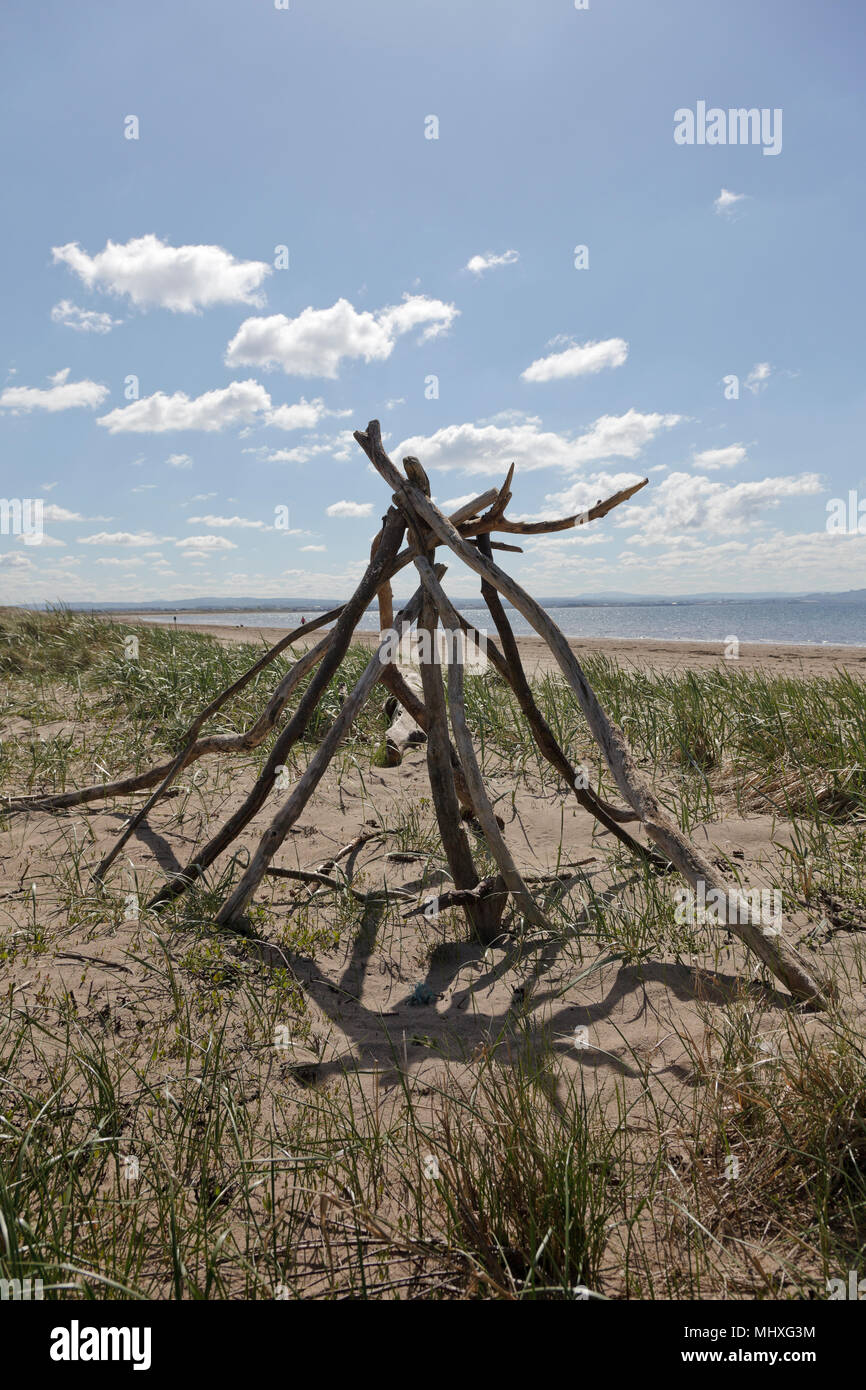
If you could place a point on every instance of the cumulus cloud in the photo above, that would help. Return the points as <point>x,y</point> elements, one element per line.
<point>52,512</point>
<point>713,459</point>
<point>201,546</point>
<point>350,509</point>
<point>318,340</point>
<point>489,449</point>
<point>184,279</point>
<point>236,404</point>
<point>303,415</point>
<point>241,522</point>
<point>126,538</point>
<point>581,359</point>
<point>62,394</point>
<point>490,261</point>
<point>82,320</point>
<point>179,461</point>
<point>687,503</point>
<point>314,547</point>
<point>727,201</point>
<point>584,492</point>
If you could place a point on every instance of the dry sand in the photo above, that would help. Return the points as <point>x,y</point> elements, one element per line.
<point>770,657</point>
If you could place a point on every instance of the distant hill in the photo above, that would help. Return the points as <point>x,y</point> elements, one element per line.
<point>244,604</point>
<point>849,596</point>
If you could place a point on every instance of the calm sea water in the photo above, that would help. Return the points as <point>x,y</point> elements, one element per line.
<point>780,620</point>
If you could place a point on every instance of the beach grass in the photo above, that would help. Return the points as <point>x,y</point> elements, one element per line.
<point>196,1132</point>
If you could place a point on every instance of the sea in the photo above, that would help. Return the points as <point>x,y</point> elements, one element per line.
<point>795,622</point>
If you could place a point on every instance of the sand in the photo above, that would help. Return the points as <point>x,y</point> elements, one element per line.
<point>772,658</point>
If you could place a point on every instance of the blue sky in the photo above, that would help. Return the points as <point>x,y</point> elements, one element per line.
<point>154,258</point>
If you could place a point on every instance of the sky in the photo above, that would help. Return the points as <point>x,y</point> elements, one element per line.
<point>235,232</point>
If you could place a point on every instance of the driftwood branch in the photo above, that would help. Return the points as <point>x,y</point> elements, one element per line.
<point>195,748</point>
<point>338,645</point>
<point>565,523</point>
<point>483,916</point>
<point>236,904</point>
<point>325,881</point>
<point>463,739</point>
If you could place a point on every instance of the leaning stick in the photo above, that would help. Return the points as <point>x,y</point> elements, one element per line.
<point>484,916</point>
<point>781,958</point>
<point>510,666</point>
<point>282,694</point>
<point>235,905</point>
<point>191,750</point>
<point>511,669</point>
<point>462,737</point>
<point>337,648</point>
<point>565,523</point>
<point>402,691</point>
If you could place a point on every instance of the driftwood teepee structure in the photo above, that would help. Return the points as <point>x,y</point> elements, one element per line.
<point>455,778</point>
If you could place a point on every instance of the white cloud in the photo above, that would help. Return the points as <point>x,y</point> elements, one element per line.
<point>316,342</point>
<point>179,461</point>
<point>125,538</point>
<point>204,545</point>
<point>302,453</point>
<point>240,522</point>
<point>727,201</point>
<point>713,459</point>
<point>350,509</point>
<point>238,403</point>
<point>50,542</point>
<point>490,261</point>
<point>314,547</point>
<point>454,502</point>
<point>687,503</point>
<point>303,415</point>
<point>61,395</point>
<point>51,512</point>
<point>758,377</point>
<point>579,360</point>
<point>489,449</point>
<point>584,492</point>
<point>182,278</point>
<point>16,561</point>
<point>82,320</point>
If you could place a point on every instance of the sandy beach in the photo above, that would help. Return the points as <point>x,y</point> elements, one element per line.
<point>770,657</point>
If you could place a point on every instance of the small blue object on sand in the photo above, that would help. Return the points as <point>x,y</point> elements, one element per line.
<point>422,994</point>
